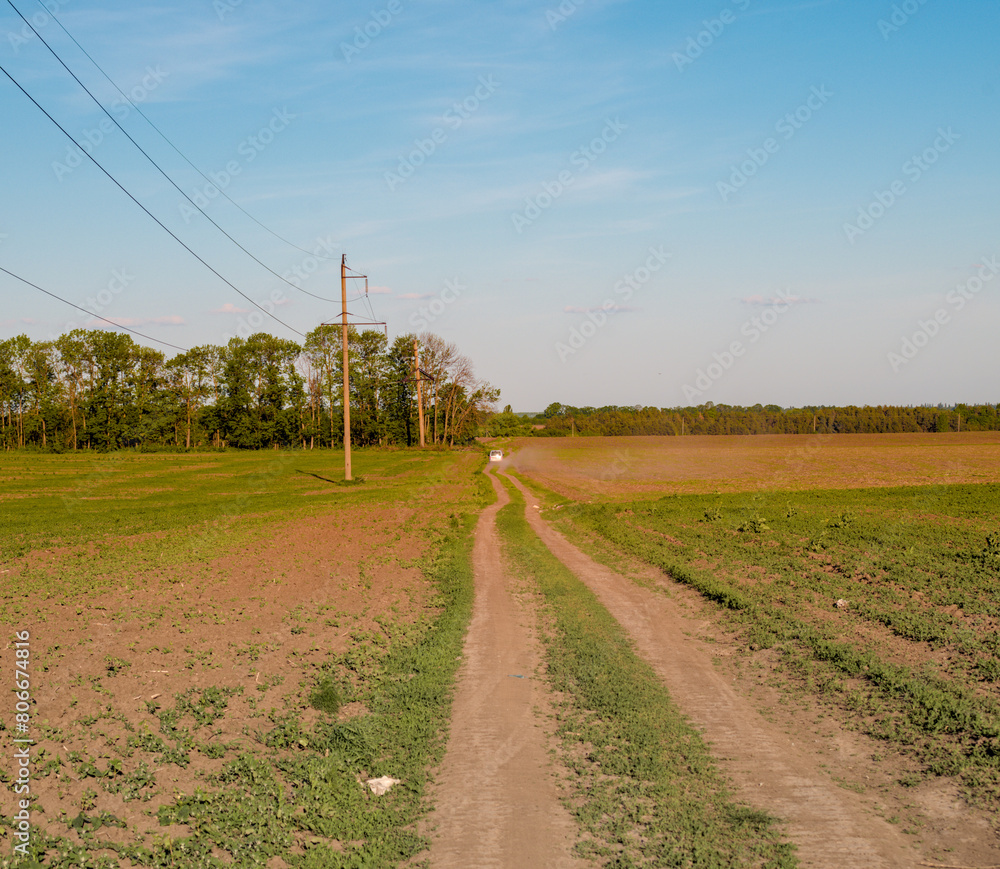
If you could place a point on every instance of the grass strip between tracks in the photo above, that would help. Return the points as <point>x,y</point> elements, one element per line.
<point>642,784</point>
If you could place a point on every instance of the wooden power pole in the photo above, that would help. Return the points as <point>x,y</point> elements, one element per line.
<point>344,278</point>
<point>347,386</point>
<point>420,394</point>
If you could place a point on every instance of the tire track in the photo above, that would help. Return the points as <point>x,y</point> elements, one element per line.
<point>830,826</point>
<point>496,798</point>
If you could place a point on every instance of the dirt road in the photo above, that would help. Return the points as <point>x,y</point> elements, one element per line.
<point>831,826</point>
<point>497,803</point>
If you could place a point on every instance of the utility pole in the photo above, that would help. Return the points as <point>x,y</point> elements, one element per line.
<point>344,277</point>
<point>347,386</point>
<point>420,394</point>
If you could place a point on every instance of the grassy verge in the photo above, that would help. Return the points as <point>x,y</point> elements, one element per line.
<point>643,786</point>
<point>883,601</point>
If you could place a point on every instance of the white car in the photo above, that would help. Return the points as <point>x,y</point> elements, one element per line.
<point>496,455</point>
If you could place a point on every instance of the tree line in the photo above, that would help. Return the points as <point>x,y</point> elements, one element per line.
<point>560,420</point>
<point>100,390</point>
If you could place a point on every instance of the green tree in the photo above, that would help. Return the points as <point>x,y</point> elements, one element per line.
<point>43,391</point>
<point>323,355</point>
<point>13,375</point>
<point>190,378</point>
<point>260,391</point>
<point>370,391</point>
<point>401,391</point>
<point>110,357</point>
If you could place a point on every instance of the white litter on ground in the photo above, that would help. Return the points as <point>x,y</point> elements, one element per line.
<point>380,785</point>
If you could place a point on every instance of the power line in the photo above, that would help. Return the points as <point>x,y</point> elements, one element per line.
<point>96,316</point>
<point>367,299</point>
<point>167,140</point>
<point>156,165</point>
<point>159,223</point>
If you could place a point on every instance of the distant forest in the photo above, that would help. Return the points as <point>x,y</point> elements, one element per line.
<point>99,390</point>
<point>561,420</point>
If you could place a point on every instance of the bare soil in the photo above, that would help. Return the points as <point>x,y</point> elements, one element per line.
<point>836,792</point>
<point>497,802</point>
<point>581,468</point>
<point>258,620</point>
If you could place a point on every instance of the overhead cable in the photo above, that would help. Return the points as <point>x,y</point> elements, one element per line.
<point>163,136</point>
<point>159,223</point>
<point>158,168</point>
<point>95,316</point>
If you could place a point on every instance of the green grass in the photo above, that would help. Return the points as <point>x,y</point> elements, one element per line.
<point>114,515</point>
<point>291,786</point>
<point>73,499</point>
<point>305,790</point>
<point>285,788</point>
<point>644,788</point>
<point>914,566</point>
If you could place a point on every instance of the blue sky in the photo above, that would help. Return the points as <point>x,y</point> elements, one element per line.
<point>599,201</point>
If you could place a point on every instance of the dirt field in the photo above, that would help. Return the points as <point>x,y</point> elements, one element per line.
<point>159,659</point>
<point>581,468</point>
<point>183,610</point>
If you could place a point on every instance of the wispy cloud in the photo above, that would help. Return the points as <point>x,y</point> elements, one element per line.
<point>229,308</point>
<point>770,301</point>
<point>170,320</point>
<point>594,309</point>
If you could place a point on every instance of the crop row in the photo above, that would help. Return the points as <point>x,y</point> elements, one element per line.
<point>888,598</point>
